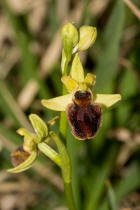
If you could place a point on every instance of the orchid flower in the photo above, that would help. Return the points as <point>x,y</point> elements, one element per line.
<point>77,82</point>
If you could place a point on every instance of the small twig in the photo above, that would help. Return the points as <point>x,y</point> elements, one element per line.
<point>133,8</point>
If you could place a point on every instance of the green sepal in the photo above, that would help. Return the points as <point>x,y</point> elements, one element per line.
<point>77,71</point>
<point>59,103</point>
<point>88,36</point>
<point>106,100</point>
<point>39,126</point>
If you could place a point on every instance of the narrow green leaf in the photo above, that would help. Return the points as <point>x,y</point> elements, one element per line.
<point>108,59</point>
<point>111,197</point>
<point>97,186</point>
<point>129,183</point>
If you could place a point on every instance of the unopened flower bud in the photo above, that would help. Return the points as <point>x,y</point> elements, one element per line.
<point>69,38</point>
<point>88,36</point>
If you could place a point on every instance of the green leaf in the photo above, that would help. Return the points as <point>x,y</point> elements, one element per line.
<point>111,197</point>
<point>108,59</point>
<point>129,183</point>
<point>97,186</point>
<point>77,71</point>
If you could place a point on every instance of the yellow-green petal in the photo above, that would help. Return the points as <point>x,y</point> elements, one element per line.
<point>90,80</point>
<point>59,103</point>
<point>70,83</point>
<point>88,36</point>
<point>106,100</point>
<point>39,126</point>
<point>29,139</point>
<point>25,165</point>
<point>77,71</point>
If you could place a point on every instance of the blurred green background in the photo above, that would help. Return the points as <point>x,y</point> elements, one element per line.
<point>106,170</point>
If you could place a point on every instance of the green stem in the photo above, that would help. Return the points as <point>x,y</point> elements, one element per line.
<point>65,159</point>
<point>63,120</point>
<point>66,171</point>
<point>69,196</point>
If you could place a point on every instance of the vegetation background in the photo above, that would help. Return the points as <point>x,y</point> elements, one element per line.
<point>106,170</point>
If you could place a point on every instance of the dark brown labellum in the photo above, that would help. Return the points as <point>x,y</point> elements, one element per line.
<point>84,117</point>
<point>19,156</point>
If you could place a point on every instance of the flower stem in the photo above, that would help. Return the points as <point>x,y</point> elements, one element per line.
<point>66,170</point>
<point>69,196</point>
<point>63,120</point>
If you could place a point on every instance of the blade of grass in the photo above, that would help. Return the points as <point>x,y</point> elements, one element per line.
<point>73,147</point>
<point>107,61</point>
<point>129,183</point>
<point>102,175</point>
<point>111,196</point>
